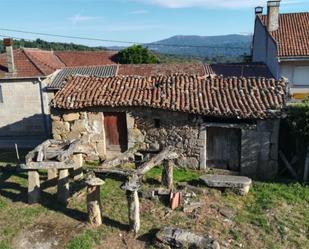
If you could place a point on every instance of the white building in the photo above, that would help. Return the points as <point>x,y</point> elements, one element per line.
<point>282,42</point>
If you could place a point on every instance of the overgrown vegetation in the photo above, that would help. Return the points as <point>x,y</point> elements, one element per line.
<point>298,120</point>
<point>136,54</point>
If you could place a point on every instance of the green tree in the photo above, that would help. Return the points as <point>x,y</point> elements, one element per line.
<point>136,54</point>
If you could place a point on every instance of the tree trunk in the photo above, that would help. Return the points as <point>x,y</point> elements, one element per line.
<point>166,154</point>
<point>167,174</point>
<point>133,206</point>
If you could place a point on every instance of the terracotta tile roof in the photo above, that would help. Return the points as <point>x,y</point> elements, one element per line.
<point>242,98</point>
<point>241,70</point>
<point>164,69</point>
<point>292,36</point>
<point>86,58</point>
<point>31,62</point>
<point>25,66</point>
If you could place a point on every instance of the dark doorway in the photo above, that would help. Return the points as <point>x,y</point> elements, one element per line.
<point>115,131</point>
<point>223,148</point>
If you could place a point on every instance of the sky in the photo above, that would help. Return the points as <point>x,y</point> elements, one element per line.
<point>140,21</point>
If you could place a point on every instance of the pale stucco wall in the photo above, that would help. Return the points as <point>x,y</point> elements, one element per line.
<point>24,109</point>
<point>265,49</point>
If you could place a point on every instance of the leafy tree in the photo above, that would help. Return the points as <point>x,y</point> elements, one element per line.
<point>136,54</point>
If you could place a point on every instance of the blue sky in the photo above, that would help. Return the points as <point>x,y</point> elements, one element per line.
<point>132,20</point>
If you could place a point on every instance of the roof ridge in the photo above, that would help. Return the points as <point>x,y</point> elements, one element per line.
<point>31,60</point>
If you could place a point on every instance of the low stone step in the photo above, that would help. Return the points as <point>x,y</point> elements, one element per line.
<point>239,184</point>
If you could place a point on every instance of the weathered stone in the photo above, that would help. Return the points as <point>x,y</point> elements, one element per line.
<point>33,186</point>
<point>60,128</point>
<point>227,212</point>
<point>72,135</point>
<point>94,205</point>
<point>63,191</point>
<point>55,117</point>
<point>52,174</point>
<point>180,238</point>
<point>79,126</point>
<point>240,184</point>
<point>69,117</point>
<point>167,174</point>
<point>193,206</point>
<point>101,149</point>
<point>192,163</point>
<point>78,166</point>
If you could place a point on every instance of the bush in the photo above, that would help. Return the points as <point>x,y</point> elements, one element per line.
<point>136,54</point>
<point>298,121</point>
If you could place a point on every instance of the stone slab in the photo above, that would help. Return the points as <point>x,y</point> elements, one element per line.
<point>226,181</point>
<point>47,165</point>
<point>94,182</point>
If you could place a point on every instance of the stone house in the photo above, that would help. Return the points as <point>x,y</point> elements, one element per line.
<point>24,102</point>
<point>213,122</point>
<point>282,42</point>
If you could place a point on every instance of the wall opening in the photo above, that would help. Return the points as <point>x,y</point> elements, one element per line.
<point>116,135</point>
<point>223,148</point>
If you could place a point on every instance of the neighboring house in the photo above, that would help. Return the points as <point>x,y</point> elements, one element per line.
<point>282,42</point>
<point>24,103</point>
<point>228,123</point>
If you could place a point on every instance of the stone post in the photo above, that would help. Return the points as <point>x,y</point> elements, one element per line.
<point>52,174</point>
<point>133,206</point>
<point>33,186</point>
<point>131,187</point>
<point>78,166</point>
<point>94,206</point>
<point>63,191</point>
<point>167,174</point>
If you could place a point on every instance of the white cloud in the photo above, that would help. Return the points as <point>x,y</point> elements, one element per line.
<point>78,18</point>
<point>138,12</point>
<point>212,3</point>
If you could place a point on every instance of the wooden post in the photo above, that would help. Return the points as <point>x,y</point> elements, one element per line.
<point>131,187</point>
<point>94,206</point>
<point>33,186</point>
<point>63,191</point>
<point>133,207</point>
<point>306,169</point>
<point>167,174</point>
<point>52,174</point>
<point>78,166</point>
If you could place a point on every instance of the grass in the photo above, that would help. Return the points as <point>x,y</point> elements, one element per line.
<point>274,215</point>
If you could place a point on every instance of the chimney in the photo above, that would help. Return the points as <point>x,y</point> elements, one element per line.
<point>259,10</point>
<point>8,43</point>
<point>273,7</point>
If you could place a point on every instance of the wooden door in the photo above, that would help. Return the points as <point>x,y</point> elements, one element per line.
<point>223,148</point>
<point>115,130</point>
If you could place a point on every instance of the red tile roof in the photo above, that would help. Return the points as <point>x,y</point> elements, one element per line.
<point>86,58</point>
<point>32,62</point>
<point>292,37</point>
<point>243,98</point>
<point>164,69</point>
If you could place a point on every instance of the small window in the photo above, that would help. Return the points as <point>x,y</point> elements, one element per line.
<point>1,96</point>
<point>157,123</point>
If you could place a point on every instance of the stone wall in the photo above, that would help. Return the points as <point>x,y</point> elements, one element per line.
<point>156,129</point>
<point>86,126</point>
<point>162,128</point>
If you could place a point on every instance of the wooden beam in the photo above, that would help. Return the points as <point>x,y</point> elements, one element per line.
<point>288,165</point>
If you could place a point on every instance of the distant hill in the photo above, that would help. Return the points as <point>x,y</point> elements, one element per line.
<point>204,46</point>
<point>46,45</point>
